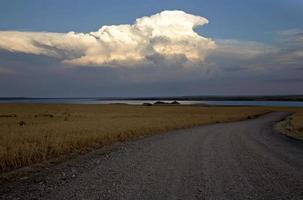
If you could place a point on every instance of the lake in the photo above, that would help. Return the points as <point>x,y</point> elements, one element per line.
<point>139,102</point>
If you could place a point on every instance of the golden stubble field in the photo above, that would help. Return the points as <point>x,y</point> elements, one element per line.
<point>31,133</point>
<point>293,125</point>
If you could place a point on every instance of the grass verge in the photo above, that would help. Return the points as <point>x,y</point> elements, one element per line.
<point>293,125</point>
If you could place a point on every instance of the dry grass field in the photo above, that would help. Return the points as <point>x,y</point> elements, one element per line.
<point>31,133</point>
<point>293,125</point>
<point>297,121</point>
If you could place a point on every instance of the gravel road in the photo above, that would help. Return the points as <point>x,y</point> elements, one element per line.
<point>240,160</point>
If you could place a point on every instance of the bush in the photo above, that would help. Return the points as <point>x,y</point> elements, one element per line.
<point>21,123</point>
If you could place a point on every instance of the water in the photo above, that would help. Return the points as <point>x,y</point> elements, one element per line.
<point>258,103</point>
<point>139,102</point>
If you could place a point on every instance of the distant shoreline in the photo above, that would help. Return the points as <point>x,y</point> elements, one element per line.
<point>170,98</point>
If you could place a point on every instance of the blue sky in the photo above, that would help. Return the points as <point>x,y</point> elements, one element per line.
<point>251,19</point>
<point>268,31</point>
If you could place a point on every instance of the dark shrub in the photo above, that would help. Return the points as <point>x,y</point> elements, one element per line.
<point>159,103</point>
<point>175,103</point>
<point>9,115</point>
<point>44,115</point>
<point>22,123</point>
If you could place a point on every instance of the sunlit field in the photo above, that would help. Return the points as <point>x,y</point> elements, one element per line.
<point>32,133</point>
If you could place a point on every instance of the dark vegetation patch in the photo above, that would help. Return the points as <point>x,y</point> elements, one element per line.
<point>8,115</point>
<point>22,123</point>
<point>44,115</point>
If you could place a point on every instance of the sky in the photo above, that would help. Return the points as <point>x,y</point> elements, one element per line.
<point>129,48</point>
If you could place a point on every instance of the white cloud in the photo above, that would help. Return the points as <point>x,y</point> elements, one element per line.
<point>166,35</point>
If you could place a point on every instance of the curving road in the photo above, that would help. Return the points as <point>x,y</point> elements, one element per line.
<point>241,160</point>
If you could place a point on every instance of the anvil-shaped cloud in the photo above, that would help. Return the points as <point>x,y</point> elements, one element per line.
<point>165,35</point>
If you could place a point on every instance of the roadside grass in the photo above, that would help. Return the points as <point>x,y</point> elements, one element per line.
<point>293,125</point>
<point>32,133</point>
<point>297,121</point>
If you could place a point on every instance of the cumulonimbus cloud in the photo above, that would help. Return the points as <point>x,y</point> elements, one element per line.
<point>167,34</point>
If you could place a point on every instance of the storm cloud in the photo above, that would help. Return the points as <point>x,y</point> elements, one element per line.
<point>162,54</point>
<point>166,36</point>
